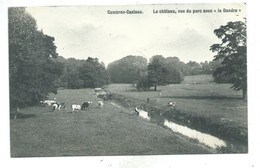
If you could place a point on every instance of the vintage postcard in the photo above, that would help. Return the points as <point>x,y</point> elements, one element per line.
<point>128,80</point>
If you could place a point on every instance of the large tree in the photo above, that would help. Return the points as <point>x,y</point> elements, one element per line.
<point>232,51</point>
<point>32,72</point>
<point>157,71</point>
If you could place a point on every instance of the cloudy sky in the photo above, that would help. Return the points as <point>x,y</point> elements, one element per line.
<point>83,31</point>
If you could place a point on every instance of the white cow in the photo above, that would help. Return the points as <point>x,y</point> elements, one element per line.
<point>136,111</point>
<point>75,107</point>
<point>56,106</point>
<point>171,104</point>
<point>100,103</point>
<point>48,102</point>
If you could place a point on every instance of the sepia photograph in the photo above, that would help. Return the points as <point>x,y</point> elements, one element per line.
<point>128,80</point>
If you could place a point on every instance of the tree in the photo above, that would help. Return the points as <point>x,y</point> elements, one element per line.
<point>174,68</point>
<point>157,71</point>
<point>194,67</point>
<point>32,72</point>
<point>93,74</point>
<point>233,54</point>
<point>128,69</point>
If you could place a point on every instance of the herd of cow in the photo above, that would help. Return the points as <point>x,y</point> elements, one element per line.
<point>75,107</point>
<point>99,92</point>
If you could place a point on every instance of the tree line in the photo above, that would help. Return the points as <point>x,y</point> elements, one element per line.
<point>88,73</point>
<point>35,69</point>
<point>159,70</point>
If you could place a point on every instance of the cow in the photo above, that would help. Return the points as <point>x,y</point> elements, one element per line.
<point>75,107</point>
<point>85,105</point>
<point>100,103</point>
<point>136,112</point>
<point>56,106</point>
<point>171,104</point>
<point>48,102</point>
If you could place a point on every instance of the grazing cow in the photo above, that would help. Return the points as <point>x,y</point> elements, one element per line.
<point>48,102</point>
<point>171,104</point>
<point>75,107</point>
<point>85,105</point>
<point>136,112</point>
<point>58,106</point>
<point>100,104</point>
<point>55,106</point>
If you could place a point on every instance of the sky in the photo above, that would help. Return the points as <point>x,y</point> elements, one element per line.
<point>89,31</point>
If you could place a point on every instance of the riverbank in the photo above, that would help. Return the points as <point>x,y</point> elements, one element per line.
<point>223,129</point>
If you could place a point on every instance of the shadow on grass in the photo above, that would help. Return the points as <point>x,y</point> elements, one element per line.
<point>201,97</point>
<point>22,116</point>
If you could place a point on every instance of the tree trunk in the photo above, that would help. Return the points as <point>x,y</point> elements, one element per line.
<point>245,93</point>
<point>155,88</point>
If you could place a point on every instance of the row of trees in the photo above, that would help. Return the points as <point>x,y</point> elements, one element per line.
<point>159,71</point>
<point>88,73</point>
<point>131,68</point>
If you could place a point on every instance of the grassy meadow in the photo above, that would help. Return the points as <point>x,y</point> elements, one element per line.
<point>40,132</point>
<point>110,130</point>
<point>198,96</point>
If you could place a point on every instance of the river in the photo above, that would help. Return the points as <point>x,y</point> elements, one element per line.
<point>204,138</point>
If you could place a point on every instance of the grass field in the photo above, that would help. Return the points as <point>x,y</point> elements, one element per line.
<point>99,131</point>
<point>201,97</point>
<point>198,94</point>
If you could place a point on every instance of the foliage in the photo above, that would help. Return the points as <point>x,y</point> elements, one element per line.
<point>128,69</point>
<point>33,73</point>
<point>143,84</point>
<point>163,71</point>
<point>70,76</point>
<point>88,73</point>
<point>157,71</point>
<point>93,74</point>
<point>221,76</point>
<point>132,69</point>
<point>233,54</point>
